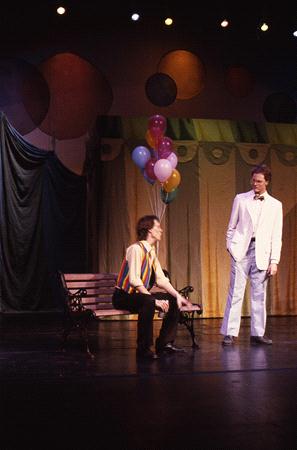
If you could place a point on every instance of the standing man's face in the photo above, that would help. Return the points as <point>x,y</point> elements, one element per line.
<point>156,231</point>
<point>259,183</point>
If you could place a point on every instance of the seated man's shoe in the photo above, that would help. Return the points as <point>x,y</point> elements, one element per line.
<point>228,340</point>
<point>145,354</point>
<point>168,348</point>
<point>258,340</point>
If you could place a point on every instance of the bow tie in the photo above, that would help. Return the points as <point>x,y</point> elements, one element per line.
<point>259,197</point>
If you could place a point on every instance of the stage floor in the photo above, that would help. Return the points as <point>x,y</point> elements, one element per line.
<point>242,397</point>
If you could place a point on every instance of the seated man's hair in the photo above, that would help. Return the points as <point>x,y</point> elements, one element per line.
<point>144,224</point>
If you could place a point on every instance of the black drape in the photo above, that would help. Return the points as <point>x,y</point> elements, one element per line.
<point>42,224</point>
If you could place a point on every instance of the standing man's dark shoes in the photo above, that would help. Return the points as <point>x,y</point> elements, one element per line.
<point>259,340</point>
<point>228,340</point>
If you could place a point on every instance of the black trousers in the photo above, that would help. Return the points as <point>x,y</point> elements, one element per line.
<point>144,306</point>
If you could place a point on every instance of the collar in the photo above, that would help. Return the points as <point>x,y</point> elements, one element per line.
<point>265,195</point>
<point>147,246</point>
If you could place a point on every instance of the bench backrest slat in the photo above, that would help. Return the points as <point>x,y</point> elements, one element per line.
<point>95,291</point>
<point>89,276</point>
<point>96,300</point>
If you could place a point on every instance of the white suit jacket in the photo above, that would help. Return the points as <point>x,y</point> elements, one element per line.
<point>268,233</point>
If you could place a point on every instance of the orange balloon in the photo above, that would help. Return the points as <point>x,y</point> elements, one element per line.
<point>172,182</point>
<point>152,141</point>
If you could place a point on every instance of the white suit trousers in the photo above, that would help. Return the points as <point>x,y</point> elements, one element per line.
<point>240,272</point>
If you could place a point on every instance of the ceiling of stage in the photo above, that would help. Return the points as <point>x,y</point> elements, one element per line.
<point>38,19</point>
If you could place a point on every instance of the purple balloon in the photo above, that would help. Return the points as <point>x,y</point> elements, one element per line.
<point>163,169</point>
<point>140,156</point>
<point>163,154</point>
<point>148,179</point>
<point>172,158</point>
<point>165,144</point>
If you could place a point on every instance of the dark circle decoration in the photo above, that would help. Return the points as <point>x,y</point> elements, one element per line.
<point>161,89</point>
<point>181,150</point>
<point>24,94</point>
<point>217,153</point>
<point>253,153</point>
<point>280,107</point>
<point>79,93</point>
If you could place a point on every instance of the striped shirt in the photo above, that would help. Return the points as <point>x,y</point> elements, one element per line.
<point>137,266</point>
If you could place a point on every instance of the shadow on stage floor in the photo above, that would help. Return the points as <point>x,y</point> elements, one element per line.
<point>243,397</point>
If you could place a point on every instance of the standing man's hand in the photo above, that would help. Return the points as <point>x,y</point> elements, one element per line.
<point>272,269</point>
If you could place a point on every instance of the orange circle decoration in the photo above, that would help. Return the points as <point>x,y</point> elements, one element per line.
<point>186,69</point>
<point>239,81</point>
<point>79,93</point>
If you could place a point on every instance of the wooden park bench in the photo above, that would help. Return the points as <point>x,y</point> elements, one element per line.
<point>89,295</point>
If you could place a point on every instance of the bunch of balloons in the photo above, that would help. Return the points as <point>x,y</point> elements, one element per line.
<point>159,161</point>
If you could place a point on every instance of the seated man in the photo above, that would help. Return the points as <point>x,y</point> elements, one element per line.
<point>138,270</point>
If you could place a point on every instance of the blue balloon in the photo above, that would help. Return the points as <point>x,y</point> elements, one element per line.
<point>140,156</point>
<point>168,197</point>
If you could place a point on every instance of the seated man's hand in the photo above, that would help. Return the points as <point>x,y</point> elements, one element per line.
<point>182,301</point>
<point>163,305</point>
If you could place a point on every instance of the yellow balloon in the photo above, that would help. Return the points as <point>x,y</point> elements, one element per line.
<point>172,182</point>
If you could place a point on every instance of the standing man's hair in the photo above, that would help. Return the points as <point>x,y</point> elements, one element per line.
<point>144,224</point>
<point>264,170</point>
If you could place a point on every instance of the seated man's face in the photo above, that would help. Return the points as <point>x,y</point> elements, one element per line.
<point>156,231</point>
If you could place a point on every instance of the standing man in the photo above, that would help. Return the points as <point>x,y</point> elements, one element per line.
<point>254,240</point>
<point>140,269</point>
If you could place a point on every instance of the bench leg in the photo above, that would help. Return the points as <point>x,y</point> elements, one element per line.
<point>67,327</point>
<point>85,337</point>
<point>187,319</point>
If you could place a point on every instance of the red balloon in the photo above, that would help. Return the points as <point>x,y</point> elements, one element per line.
<point>157,125</point>
<point>149,168</point>
<point>157,121</point>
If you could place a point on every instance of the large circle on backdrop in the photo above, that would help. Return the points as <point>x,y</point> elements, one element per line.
<point>187,71</point>
<point>280,107</point>
<point>24,94</point>
<point>161,89</point>
<point>79,93</point>
<point>239,81</point>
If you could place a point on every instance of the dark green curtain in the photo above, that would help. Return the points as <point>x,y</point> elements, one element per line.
<point>42,224</point>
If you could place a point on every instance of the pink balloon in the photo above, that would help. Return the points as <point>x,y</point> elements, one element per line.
<point>163,169</point>
<point>149,168</point>
<point>172,158</point>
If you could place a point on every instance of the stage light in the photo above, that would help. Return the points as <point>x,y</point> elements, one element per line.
<point>264,26</point>
<point>61,10</point>
<point>224,23</point>
<point>295,33</point>
<point>135,17</point>
<point>168,21</point>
